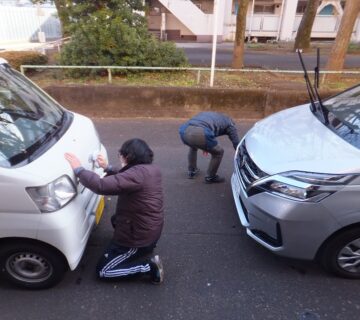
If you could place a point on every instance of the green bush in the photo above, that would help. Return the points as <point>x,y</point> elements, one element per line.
<point>17,58</point>
<point>114,37</point>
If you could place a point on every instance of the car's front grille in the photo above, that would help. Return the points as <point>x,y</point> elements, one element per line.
<point>249,171</point>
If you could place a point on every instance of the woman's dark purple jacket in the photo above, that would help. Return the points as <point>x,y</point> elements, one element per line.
<point>139,216</point>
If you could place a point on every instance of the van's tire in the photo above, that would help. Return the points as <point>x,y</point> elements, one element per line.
<point>341,254</point>
<point>31,265</point>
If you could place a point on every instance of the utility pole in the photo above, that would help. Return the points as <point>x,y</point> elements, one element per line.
<point>213,56</point>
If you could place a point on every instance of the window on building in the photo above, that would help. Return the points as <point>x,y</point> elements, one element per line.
<point>154,11</point>
<point>206,6</point>
<point>328,10</point>
<point>235,7</point>
<point>153,7</point>
<point>301,7</point>
<point>264,9</point>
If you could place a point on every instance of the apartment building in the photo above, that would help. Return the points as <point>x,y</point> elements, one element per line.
<point>192,20</point>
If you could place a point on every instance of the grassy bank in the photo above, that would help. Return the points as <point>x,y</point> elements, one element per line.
<point>226,80</point>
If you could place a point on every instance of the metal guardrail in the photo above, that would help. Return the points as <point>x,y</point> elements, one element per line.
<point>198,69</point>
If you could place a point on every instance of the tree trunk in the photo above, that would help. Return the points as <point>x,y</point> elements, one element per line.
<point>303,35</point>
<point>238,55</point>
<point>340,46</point>
<point>63,15</point>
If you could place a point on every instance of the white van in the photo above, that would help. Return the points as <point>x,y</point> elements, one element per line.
<point>46,216</point>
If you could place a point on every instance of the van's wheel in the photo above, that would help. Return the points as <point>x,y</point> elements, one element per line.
<point>31,265</point>
<point>341,255</point>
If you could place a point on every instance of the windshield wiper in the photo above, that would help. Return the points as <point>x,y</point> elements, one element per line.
<point>22,114</point>
<point>312,90</point>
<point>352,127</point>
<point>5,120</point>
<point>29,115</point>
<point>51,135</point>
<point>43,141</point>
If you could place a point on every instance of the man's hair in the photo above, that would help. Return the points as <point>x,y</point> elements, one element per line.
<point>136,151</point>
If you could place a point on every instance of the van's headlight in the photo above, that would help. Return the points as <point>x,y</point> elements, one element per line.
<point>54,195</point>
<point>304,186</point>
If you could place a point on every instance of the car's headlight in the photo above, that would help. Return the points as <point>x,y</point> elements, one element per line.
<point>54,195</point>
<point>304,186</point>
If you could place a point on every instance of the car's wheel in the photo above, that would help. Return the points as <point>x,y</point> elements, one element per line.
<point>32,265</point>
<point>341,254</point>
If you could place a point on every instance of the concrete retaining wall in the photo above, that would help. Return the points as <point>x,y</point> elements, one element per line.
<point>159,102</point>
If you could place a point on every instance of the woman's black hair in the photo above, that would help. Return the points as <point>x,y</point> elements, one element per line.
<point>136,151</point>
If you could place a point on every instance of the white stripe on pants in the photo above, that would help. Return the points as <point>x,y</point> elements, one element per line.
<point>113,267</point>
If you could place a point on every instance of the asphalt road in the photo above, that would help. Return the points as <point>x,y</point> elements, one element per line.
<point>213,270</point>
<point>199,54</point>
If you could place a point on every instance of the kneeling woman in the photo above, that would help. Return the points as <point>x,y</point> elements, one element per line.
<point>139,215</point>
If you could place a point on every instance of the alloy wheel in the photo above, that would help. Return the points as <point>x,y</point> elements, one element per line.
<point>349,257</point>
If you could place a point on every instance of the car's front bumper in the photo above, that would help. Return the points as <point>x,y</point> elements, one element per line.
<point>287,227</point>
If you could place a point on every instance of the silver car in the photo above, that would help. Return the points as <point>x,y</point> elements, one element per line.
<point>296,182</point>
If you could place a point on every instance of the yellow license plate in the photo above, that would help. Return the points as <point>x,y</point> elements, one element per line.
<point>99,210</point>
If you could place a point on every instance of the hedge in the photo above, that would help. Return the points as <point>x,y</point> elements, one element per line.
<point>17,58</point>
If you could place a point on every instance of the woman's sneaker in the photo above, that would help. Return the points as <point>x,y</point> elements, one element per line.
<point>214,179</point>
<point>193,173</point>
<point>157,270</point>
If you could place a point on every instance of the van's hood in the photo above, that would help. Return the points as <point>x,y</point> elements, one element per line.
<point>294,139</point>
<point>80,139</point>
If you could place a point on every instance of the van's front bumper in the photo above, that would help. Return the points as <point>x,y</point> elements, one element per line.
<point>69,229</point>
<point>287,227</point>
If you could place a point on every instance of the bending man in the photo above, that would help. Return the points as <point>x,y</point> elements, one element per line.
<point>200,132</point>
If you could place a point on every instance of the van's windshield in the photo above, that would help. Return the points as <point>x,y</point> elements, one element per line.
<point>344,115</point>
<point>30,122</point>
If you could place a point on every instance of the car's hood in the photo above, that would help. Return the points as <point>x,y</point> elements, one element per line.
<point>294,139</point>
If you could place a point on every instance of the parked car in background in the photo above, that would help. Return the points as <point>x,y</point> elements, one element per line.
<point>46,216</point>
<point>296,182</point>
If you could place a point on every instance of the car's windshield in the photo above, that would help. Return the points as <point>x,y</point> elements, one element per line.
<point>344,115</point>
<point>28,118</point>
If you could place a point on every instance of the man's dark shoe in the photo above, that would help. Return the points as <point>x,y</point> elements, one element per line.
<point>157,270</point>
<point>214,179</point>
<point>193,173</point>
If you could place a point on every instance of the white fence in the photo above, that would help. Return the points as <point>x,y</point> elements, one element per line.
<point>24,23</point>
<point>324,26</point>
<point>109,69</point>
<point>263,23</point>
